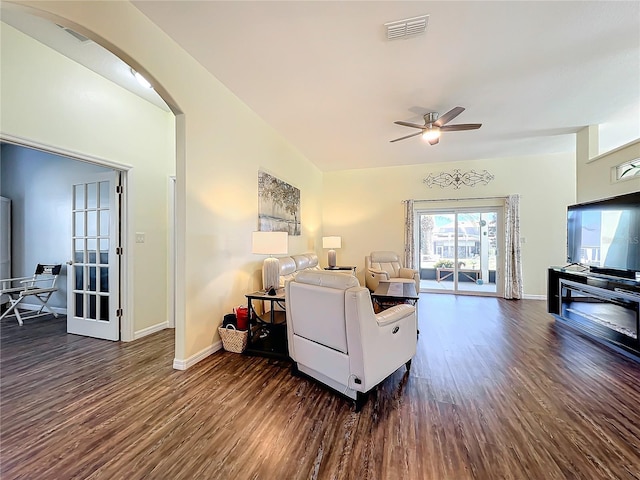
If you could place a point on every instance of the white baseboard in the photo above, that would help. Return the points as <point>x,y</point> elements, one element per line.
<point>534,297</point>
<point>179,364</point>
<point>149,330</point>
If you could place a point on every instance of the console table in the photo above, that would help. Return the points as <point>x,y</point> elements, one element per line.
<point>344,268</point>
<point>604,307</point>
<point>268,331</point>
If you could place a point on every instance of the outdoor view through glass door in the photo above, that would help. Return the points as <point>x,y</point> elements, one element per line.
<point>459,250</point>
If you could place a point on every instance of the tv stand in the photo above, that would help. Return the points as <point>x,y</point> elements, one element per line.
<point>610,272</point>
<point>605,308</point>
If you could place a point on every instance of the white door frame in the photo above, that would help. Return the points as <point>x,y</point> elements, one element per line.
<point>171,300</point>
<point>5,243</point>
<point>126,275</point>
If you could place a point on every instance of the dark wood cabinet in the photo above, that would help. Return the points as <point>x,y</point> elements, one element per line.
<point>605,307</point>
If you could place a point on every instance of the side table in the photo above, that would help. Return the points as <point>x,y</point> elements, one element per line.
<point>267,332</point>
<point>342,269</point>
<point>392,293</point>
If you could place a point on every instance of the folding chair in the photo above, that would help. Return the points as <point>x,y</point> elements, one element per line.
<point>41,286</point>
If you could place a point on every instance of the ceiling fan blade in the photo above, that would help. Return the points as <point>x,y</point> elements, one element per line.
<point>407,124</point>
<point>408,136</point>
<point>434,141</point>
<point>447,117</point>
<point>460,126</point>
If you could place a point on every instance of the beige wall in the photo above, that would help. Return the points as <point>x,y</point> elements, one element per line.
<point>54,101</point>
<point>595,178</point>
<point>221,144</point>
<point>364,207</point>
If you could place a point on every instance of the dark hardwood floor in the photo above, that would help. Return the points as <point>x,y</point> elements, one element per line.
<point>497,390</point>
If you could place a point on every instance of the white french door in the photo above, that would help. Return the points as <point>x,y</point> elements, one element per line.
<point>93,274</point>
<point>460,250</point>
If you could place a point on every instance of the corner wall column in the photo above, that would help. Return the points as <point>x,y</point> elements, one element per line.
<point>587,144</point>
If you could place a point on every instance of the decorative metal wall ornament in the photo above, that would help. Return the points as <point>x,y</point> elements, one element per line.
<point>457,179</point>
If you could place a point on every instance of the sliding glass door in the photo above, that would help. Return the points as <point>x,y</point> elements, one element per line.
<point>460,250</point>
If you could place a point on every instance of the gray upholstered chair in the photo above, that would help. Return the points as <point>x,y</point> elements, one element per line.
<point>387,267</point>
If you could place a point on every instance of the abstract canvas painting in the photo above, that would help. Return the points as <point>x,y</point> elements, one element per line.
<point>278,205</point>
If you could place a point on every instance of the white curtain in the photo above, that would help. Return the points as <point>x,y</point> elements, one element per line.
<point>513,263</point>
<point>409,244</point>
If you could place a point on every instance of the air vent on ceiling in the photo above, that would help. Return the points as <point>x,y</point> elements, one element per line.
<point>75,34</point>
<point>407,27</point>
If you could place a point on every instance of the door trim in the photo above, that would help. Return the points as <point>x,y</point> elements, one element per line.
<point>126,276</point>
<point>171,304</point>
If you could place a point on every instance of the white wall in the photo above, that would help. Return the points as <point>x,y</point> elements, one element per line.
<point>365,207</point>
<point>38,185</point>
<point>49,99</point>
<point>221,144</point>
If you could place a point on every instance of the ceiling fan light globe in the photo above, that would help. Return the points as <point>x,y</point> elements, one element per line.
<point>431,134</point>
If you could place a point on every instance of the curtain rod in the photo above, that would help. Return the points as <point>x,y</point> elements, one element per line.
<point>456,199</point>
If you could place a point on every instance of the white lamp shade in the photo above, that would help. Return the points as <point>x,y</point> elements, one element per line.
<point>270,243</point>
<point>331,242</point>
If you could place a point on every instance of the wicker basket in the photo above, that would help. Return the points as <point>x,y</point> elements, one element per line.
<point>233,340</point>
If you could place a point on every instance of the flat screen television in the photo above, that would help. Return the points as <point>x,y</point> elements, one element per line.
<point>605,235</point>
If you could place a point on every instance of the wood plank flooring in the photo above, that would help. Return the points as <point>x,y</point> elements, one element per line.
<point>497,390</point>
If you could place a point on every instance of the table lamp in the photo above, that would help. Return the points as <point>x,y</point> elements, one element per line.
<point>270,243</point>
<point>331,242</point>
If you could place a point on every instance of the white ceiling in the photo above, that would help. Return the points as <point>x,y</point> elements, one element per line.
<point>324,76</point>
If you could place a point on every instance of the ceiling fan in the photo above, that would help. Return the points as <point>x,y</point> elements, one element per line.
<point>434,125</point>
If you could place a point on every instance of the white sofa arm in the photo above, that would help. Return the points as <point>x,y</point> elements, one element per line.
<point>373,277</point>
<point>394,314</point>
<point>375,271</point>
<point>411,273</point>
<point>407,272</point>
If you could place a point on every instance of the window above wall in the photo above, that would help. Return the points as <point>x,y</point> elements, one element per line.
<point>626,170</point>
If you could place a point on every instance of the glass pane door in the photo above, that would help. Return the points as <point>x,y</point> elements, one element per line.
<point>459,251</point>
<point>93,273</point>
<point>477,251</point>
<point>437,251</point>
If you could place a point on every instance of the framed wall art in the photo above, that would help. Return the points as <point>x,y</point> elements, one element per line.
<point>278,205</point>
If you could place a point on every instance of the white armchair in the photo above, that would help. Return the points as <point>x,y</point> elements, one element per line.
<point>335,337</point>
<point>387,267</point>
